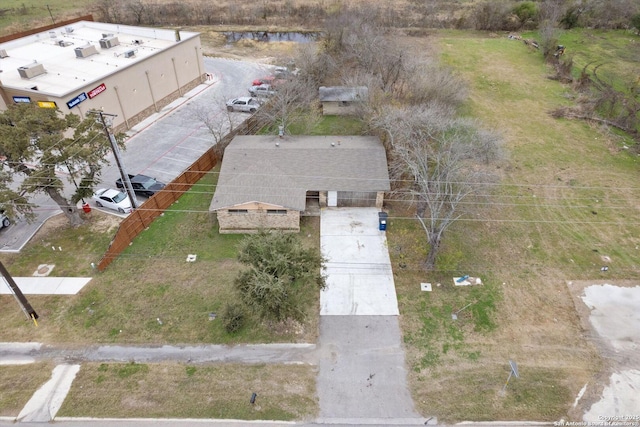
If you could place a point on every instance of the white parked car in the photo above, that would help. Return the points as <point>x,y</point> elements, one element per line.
<point>112,199</point>
<point>4,219</point>
<point>245,104</point>
<point>263,90</point>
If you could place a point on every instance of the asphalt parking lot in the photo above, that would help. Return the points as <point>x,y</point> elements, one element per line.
<point>163,145</point>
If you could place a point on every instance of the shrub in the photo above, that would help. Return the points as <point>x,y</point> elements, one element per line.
<point>526,12</point>
<point>635,22</point>
<point>233,317</point>
<point>491,16</point>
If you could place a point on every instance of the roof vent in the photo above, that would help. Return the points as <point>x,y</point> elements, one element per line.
<point>32,70</point>
<point>3,53</point>
<point>85,51</point>
<point>109,42</point>
<point>138,42</point>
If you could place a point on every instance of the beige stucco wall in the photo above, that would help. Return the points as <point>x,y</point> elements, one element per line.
<point>134,93</point>
<point>257,218</point>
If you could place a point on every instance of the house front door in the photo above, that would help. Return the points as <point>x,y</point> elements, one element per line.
<point>332,198</point>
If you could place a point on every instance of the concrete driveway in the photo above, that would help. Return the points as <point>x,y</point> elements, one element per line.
<point>360,279</point>
<point>362,375</point>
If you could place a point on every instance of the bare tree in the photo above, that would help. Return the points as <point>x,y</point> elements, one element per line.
<point>444,159</point>
<point>296,98</point>
<point>295,102</point>
<point>490,15</point>
<point>430,82</point>
<point>218,121</point>
<point>138,9</point>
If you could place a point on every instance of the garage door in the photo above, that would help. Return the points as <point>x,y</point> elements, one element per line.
<point>356,199</point>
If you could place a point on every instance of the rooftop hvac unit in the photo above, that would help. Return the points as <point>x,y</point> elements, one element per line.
<point>129,53</point>
<point>63,43</point>
<point>85,51</point>
<point>68,29</point>
<point>108,43</point>
<point>3,53</point>
<point>32,70</point>
<point>52,34</point>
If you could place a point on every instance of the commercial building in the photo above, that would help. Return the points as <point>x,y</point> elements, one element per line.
<point>128,71</point>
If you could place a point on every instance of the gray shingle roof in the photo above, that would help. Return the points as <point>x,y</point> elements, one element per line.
<point>342,93</point>
<point>255,169</point>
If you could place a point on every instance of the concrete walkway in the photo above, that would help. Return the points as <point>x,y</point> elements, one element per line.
<point>46,285</point>
<point>22,353</point>
<point>47,400</point>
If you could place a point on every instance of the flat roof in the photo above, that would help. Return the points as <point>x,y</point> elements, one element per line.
<point>65,72</point>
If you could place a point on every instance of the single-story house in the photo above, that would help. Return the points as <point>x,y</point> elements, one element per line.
<point>341,100</point>
<point>268,181</point>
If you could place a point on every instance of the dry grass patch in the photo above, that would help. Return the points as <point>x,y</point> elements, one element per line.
<point>566,200</point>
<point>193,391</point>
<point>18,383</point>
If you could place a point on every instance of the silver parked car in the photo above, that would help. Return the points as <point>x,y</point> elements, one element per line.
<point>245,104</point>
<point>263,90</point>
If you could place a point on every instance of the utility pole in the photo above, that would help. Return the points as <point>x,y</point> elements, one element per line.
<point>116,154</point>
<point>19,296</point>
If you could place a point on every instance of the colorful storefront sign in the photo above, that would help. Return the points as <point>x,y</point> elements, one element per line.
<point>77,100</point>
<point>96,91</point>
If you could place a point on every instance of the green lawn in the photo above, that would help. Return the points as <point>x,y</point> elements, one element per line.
<point>150,294</point>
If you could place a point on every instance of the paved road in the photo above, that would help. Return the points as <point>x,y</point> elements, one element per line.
<point>163,145</point>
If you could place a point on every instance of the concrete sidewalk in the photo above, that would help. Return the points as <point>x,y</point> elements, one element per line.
<point>46,285</point>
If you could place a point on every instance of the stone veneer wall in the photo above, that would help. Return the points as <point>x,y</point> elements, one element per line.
<point>256,219</point>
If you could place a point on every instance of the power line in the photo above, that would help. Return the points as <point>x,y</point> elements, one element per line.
<point>397,180</point>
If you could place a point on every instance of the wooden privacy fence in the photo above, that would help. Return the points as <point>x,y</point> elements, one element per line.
<point>142,217</point>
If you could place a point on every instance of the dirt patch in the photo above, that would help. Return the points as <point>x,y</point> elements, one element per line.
<point>99,222</point>
<point>104,223</point>
<point>52,225</point>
